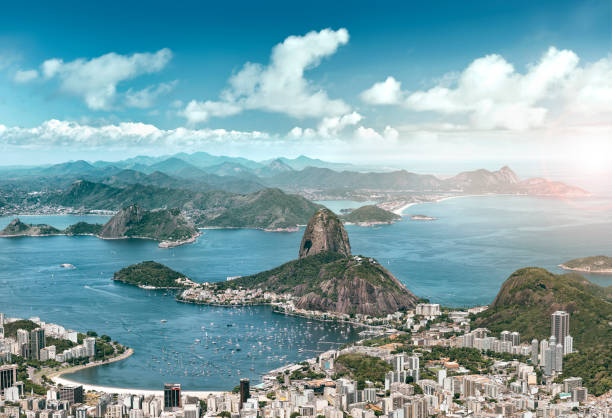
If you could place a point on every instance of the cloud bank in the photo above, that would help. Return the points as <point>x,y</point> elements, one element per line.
<point>279,86</point>
<point>492,94</point>
<point>95,80</point>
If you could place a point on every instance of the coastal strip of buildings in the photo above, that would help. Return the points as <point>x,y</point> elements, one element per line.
<point>521,379</point>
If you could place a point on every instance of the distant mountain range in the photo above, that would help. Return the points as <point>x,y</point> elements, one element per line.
<point>201,171</point>
<point>265,209</point>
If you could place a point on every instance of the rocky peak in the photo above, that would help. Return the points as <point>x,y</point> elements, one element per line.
<point>118,225</point>
<point>324,232</point>
<point>506,175</point>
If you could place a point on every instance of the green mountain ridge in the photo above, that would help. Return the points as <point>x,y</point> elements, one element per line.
<point>370,214</point>
<point>528,298</point>
<point>264,209</point>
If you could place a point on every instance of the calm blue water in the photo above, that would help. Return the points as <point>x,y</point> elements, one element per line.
<point>460,259</point>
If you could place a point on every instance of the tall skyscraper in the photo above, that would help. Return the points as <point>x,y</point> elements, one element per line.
<point>172,396</point>
<point>90,346</point>
<point>1,319</point>
<point>245,392</point>
<point>559,358</point>
<point>534,352</point>
<point>549,361</point>
<point>568,345</point>
<point>559,326</point>
<point>37,342</point>
<point>8,376</point>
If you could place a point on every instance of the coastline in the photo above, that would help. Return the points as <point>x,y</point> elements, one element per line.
<point>57,378</point>
<point>603,272</point>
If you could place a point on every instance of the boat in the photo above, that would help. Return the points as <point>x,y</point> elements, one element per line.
<point>163,321</point>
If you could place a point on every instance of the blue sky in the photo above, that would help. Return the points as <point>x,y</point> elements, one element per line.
<point>58,83</point>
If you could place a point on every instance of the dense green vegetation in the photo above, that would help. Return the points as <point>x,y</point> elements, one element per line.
<point>370,213</point>
<point>149,273</point>
<point>10,329</point>
<point>310,272</point>
<point>527,299</point>
<point>83,228</point>
<point>267,208</point>
<point>287,276</point>
<point>362,367</point>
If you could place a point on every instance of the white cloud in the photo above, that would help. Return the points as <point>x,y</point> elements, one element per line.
<point>491,94</point>
<point>146,97</point>
<point>197,112</point>
<point>123,135</point>
<point>25,76</point>
<point>387,92</point>
<point>332,126</point>
<point>96,80</point>
<point>280,86</point>
<point>494,95</point>
<point>328,127</point>
<point>371,135</point>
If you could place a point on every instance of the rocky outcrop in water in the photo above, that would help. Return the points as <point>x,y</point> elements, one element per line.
<point>161,225</point>
<point>326,277</point>
<point>17,228</point>
<point>324,232</point>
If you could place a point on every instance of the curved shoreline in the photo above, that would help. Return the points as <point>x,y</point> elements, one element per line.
<point>57,378</point>
<point>56,375</point>
<point>605,272</point>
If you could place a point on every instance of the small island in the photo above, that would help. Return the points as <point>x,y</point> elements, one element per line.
<point>18,229</point>
<point>169,226</point>
<point>370,215</point>
<point>422,218</point>
<point>599,264</point>
<point>152,275</point>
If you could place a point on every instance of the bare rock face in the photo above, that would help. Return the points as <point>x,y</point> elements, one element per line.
<point>324,232</point>
<point>119,224</point>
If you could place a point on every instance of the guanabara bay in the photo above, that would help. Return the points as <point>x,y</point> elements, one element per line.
<point>305,210</point>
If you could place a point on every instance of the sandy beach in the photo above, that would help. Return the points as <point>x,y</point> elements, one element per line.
<point>58,379</point>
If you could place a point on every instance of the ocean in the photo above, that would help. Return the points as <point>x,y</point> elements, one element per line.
<point>460,259</point>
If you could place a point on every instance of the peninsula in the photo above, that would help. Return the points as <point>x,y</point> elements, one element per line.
<point>169,226</point>
<point>325,278</point>
<point>599,264</point>
<point>370,215</point>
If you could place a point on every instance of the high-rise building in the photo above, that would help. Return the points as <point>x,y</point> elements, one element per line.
<point>534,352</point>
<point>245,391</point>
<point>559,325</point>
<point>37,342</point>
<point>8,376</point>
<point>543,347</point>
<point>1,319</point>
<point>515,337</point>
<point>90,346</point>
<point>570,383</point>
<point>172,396</point>
<point>72,394</point>
<point>505,336</point>
<point>559,358</point>
<point>579,394</point>
<point>549,360</point>
<point>568,345</point>
<point>398,362</point>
